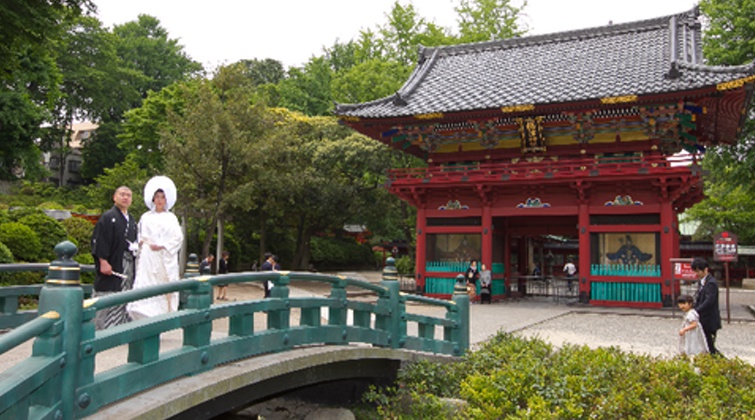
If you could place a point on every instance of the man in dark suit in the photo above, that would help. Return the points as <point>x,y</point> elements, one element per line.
<point>706,303</point>
<point>268,265</point>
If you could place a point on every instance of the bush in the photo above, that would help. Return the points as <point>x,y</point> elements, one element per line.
<point>405,266</point>
<point>50,233</point>
<point>330,253</point>
<point>22,241</point>
<point>80,232</point>
<point>510,377</point>
<point>6,257</point>
<point>21,212</point>
<point>85,259</point>
<point>49,205</point>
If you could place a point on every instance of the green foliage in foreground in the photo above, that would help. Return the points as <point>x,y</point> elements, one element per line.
<point>509,377</point>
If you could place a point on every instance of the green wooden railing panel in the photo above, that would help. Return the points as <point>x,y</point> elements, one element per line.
<point>626,292</point>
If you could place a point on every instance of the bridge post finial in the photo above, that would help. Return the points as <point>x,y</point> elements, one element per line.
<point>461,315</point>
<point>390,273</point>
<point>63,294</point>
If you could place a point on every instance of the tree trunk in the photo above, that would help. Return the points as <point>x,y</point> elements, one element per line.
<point>209,231</point>
<point>303,237</point>
<point>219,249</point>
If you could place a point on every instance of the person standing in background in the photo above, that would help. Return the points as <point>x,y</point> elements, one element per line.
<point>205,267</point>
<point>570,270</point>
<point>706,303</point>
<point>471,276</point>
<point>223,269</point>
<point>691,335</point>
<point>268,265</point>
<point>114,244</point>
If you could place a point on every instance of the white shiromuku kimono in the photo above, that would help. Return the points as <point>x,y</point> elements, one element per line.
<point>693,341</point>
<point>157,267</point>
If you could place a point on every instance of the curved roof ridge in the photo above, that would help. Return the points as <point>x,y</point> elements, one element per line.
<point>586,33</point>
<point>418,75</point>
<point>353,107</point>
<point>742,68</point>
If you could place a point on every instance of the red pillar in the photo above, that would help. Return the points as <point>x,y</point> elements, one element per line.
<point>487,237</point>
<point>668,237</point>
<point>507,258</point>
<point>583,269</point>
<point>421,253</point>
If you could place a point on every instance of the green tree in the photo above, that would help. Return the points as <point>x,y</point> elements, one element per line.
<point>127,173</point>
<point>210,149</point>
<point>369,80</point>
<point>32,27</point>
<point>29,40</point>
<point>405,31</point>
<point>143,126</point>
<point>147,61</point>
<point>26,99</point>
<point>729,39</point>
<point>144,46</point>
<point>488,20</point>
<point>307,90</point>
<point>262,72</point>
<point>95,86</point>
<point>318,176</point>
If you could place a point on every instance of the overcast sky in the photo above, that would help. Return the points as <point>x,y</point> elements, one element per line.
<point>218,32</point>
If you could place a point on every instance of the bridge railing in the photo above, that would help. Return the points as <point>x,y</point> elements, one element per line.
<point>11,315</point>
<point>61,379</point>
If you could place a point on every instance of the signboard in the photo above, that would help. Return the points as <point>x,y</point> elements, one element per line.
<point>683,271</point>
<point>725,247</point>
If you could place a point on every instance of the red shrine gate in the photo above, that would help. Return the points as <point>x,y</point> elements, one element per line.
<point>530,142</point>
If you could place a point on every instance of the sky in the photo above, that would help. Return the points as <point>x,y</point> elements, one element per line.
<point>221,32</point>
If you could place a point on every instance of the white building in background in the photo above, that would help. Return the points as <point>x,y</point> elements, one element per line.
<point>69,169</point>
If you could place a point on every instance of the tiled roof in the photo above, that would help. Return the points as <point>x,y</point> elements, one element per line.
<point>626,59</point>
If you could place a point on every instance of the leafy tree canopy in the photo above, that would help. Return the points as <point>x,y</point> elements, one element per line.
<point>729,39</point>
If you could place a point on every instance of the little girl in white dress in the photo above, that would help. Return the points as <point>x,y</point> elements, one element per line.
<point>691,336</point>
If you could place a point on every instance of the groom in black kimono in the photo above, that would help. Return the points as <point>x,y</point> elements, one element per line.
<point>113,246</point>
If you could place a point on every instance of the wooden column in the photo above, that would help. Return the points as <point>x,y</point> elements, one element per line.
<point>668,238</point>
<point>507,257</point>
<point>583,265</point>
<point>487,236</point>
<point>421,251</point>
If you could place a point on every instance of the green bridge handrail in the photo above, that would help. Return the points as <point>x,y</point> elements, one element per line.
<point>59,380</point>
<point>31,330</point>
<point>10,315</point>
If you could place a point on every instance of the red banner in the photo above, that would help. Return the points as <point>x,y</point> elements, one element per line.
<point>683,271</point>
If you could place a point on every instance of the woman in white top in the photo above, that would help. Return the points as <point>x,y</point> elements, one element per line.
<point>160,240</point>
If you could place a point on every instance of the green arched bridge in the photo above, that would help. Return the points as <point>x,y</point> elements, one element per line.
<point>207,371</point>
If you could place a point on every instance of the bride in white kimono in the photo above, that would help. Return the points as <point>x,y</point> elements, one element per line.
<point>160,240</point>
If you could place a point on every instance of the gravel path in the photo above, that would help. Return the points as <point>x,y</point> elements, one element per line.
<point>655,336</point>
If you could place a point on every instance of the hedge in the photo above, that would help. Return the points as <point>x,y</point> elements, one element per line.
<point>510,377</point>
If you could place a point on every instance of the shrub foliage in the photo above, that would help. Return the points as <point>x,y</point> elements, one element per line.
<point>22,241</point>
<point>510,377</point>
<point>333,252</point>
